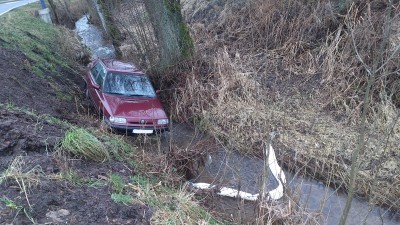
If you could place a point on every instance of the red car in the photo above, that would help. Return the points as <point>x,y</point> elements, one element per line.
<point>124,97</point>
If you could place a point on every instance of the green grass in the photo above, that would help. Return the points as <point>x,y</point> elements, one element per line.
<point>117,146</point>
<point>117,183</point>
<point>17,208</point>
<point>81,142</point>
<point>10,203</point>
<point>97,146</point>
<point>36,39</point>
<point>122,198</point>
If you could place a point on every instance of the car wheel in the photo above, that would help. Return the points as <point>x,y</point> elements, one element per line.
<point>86,94</point>
<point>104,126</point>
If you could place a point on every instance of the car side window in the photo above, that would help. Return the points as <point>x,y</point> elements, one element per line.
<point>100,77</point>
<point>95,72</point>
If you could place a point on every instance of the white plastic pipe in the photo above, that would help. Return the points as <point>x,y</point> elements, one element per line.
<point>275,194</point>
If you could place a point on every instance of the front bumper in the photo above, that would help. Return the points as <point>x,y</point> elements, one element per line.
<point>139,129</point>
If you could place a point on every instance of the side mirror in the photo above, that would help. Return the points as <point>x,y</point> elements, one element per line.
<point>90,65</point>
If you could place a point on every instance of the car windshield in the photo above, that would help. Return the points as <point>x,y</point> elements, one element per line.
<point>128,85</point>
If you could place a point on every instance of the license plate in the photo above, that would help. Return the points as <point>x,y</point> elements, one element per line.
<point>137,131</point>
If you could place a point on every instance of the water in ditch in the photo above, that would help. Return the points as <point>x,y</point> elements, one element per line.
<point>323,204</point>
<point>224,168</point>
<point>93,38</point>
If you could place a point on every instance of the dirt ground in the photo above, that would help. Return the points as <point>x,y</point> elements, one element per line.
<point>28,141</point>
<point>22,88</point>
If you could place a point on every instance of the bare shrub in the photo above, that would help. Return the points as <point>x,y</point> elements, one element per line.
<point>67,12</point>
<point>69,46</point>
<point>345,78</point>
<point>140,42</point>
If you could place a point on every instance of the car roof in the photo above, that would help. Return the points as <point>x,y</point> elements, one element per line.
<point>115,65</point>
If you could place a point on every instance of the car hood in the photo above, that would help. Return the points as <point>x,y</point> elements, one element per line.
<point>134,107</point>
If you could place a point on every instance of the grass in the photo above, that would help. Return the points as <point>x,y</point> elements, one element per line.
<point>75,178</point>
<point>119,149</point>
<point>122,198</point>
<point>117,183</point>
<point>173,206</point>
<point>16,171</point>
<point>81,142</point>
<point>24,180</point>
<point>97,146</point>
<point>35,38</point>
<point>17,208</point>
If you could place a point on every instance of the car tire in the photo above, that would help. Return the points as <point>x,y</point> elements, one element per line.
<point>87,97</point>
<point>105,127</point>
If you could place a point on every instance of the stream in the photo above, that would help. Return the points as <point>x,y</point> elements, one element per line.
<point>228,169</point>
<point>93,38</point>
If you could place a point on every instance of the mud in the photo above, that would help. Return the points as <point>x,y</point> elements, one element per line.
<point>84,204</point>
<point>23,134</point>
<point>31,109</point>
<point>51,94</point>
<point>33,140</point>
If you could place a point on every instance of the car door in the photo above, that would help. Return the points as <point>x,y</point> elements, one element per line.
<point>95,84</point>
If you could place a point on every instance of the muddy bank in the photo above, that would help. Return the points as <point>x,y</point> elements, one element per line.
<point>52,199</point>
<point>60,203</point>
<point>54,188</point>
<point>24,134</point>
<point>51,94</point>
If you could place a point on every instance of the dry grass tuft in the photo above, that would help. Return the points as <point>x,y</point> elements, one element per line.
<point>24,179</point>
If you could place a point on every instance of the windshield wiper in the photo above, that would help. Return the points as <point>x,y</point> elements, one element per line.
<point>114,93</point>
<point>137,95</point>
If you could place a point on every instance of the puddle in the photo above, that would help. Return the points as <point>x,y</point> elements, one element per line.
<point>93,38</point>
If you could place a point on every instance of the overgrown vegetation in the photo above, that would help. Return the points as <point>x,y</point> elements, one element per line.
<point>300,68</point>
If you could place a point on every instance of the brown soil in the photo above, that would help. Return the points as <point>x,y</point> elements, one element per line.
<point>33,138</point>
<point>22,88</point>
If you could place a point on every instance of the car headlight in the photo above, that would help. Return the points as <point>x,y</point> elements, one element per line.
<point>117,119</point>
<point>162,121</point>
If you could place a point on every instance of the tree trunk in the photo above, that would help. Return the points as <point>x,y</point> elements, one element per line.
<point>111,27</point>
<point>54,12</point>
<point>172,34</point>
